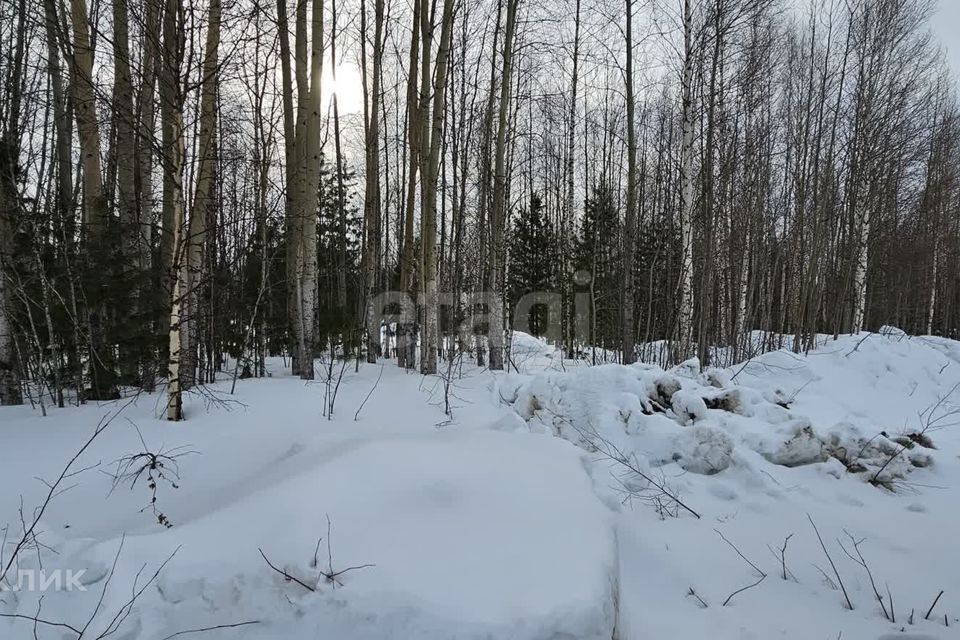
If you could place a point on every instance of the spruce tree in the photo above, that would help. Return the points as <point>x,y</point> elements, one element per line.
<point>597,253</point>
<point>532,264</point>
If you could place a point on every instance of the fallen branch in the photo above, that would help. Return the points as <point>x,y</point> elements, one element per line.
<point>612,452</point>
<point>856,348</point>
<point>742,589</point>
<point>286,576</point>
<point>330,575</point>
<point>214,628</point>
<point>36,621</point>
<point>697,596</point>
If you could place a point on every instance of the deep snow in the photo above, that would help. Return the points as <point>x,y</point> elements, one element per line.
<point>490,526</point>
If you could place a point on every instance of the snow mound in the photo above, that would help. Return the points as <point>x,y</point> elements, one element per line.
<point>860,436</point>
<point>529,353</point>
<point>706,422</point>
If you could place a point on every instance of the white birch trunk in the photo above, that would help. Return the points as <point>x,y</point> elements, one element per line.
<point>685,309</point>
<point>740,329</point>
<point>931,304</point>
<point>175,351</point>
<point>430,338</point>
<point>307,273</point>
<point>860,273</point>
<point>174,395</point>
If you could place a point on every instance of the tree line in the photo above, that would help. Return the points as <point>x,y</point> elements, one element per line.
<point>182,187</point>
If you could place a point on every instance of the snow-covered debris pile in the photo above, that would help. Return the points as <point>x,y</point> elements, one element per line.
<point>706,422</point>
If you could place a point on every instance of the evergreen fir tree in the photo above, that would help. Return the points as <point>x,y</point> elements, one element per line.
<point>336,322</point>
<point>532,264</point>
<point>597,252</point>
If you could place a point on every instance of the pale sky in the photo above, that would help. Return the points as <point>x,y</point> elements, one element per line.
<point>946,26</point>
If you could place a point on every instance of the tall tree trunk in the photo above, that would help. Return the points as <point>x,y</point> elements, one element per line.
<point>203,215</point>
<point>628,322</point>
<point>861,259</point>
<point>172,242</point>
<point>95,206</point>
<point>681,349</point>
<point>10,393</point>
<point>308,139</point>
<point>341,191</point>
<point>60,118</point>
<point>125,147</point>
<point>406,329</point>
<point>428,206</point>
<point>566,225</point>
<point>371,201</point>
<point>291,175</point>
<point>145,151</point>
<point>10,141</point>
<point>171,154</point>
<point>498,210</point>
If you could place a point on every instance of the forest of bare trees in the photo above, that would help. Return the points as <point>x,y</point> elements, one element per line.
<point>184,188</point>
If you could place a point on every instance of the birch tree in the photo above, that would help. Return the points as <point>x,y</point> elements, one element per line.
<point>203,215</point>
<point>498,206</point>
<point>371,201</point>
<point>628,327</point>
<point>685,294</point>
<point>303,174</point>
<point>172,242</point>
<point>432,133</point>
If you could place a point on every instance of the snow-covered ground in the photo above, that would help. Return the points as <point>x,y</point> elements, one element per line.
<point>524,516</point>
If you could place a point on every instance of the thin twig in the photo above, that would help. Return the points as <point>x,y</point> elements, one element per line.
<point>893,614</point>
<point>370,393</point>
<point>214,628</point>
<point>742,589</point>
<point>783,555</point>
<point>834,566</point>
<point>36,620</point>
<point>935,601</point>
<point>285,575</point>
<point>697,596</point>
<point>745,559</point>
<point>863,563</point>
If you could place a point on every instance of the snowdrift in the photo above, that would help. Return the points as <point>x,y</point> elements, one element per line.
<point>545,508</point>
<point>860,438</point>
<point>636,411</point>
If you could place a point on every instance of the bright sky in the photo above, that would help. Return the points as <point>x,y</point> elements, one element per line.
<point>946,26</point>
<point>349,87</point>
